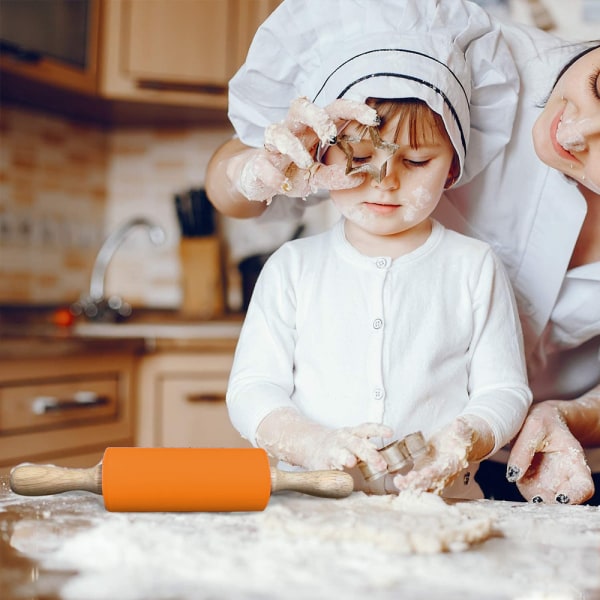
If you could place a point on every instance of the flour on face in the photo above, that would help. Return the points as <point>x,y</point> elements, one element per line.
<point>420,199</point>
<point>571,135</point>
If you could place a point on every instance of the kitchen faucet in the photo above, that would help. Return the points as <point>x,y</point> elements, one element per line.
<point>94,305</point>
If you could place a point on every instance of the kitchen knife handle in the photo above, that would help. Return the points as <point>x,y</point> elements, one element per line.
<point>40,480</point>
<point>326,484</point>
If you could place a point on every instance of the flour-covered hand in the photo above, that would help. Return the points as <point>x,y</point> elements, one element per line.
<point>287,164</point>
<point>289,436</point>
<point>343,448</point>
<point>547,462</point>
<point>449,452</point>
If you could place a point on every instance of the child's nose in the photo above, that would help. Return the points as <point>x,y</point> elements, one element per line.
<point>389,179</point>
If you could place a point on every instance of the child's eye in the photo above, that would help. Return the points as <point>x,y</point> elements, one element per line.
<point>416,163</point>
<point>359,160</point>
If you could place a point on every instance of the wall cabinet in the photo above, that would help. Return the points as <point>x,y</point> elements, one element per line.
<point>181,400</point>
<point>55,42</point>
<point>177,52</point>
<point>65,410</point>
<point>154,51</point>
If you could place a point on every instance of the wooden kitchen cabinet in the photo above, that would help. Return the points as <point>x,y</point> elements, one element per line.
<point>54,43</point>
<point>178,52</point>
<point>65,410</point>
<point>163,52</point>
<point>181,400</point>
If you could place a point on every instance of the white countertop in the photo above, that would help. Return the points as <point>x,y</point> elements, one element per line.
<point>300,547</point>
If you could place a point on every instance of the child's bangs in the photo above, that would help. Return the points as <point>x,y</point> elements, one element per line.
<point>424,125</point>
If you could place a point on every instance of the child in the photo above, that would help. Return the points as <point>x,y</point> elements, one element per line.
<point>388,323</point>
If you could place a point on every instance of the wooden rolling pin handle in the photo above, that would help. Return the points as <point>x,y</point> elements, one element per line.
<point>326,484</point>
<point>40,480</point>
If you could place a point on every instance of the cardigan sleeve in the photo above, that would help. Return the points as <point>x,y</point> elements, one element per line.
<point>262,376</point>
<point>498,389</point>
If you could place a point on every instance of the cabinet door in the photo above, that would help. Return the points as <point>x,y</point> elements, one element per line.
<point>186,42</point>
<point>176,52</point>
<point>181,400</point>
<point>193,413</point>
<point>65,406</point>
<point>53,42</point>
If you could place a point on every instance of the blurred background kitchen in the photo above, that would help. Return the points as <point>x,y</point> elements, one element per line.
<point>110,111</point>
<point>120,116</point>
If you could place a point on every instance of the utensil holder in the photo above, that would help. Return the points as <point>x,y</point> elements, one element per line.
<point>201,277</point>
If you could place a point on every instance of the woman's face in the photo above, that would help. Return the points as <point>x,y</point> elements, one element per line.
<point>566,135</point>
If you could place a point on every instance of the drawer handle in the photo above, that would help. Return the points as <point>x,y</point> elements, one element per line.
<point>206,398</point>
<point>42,405</point>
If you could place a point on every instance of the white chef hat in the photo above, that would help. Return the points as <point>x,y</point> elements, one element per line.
<point>446,52</point>
<point>378,66</point>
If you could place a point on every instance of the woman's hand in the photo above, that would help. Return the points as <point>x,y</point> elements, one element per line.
<point>287,163</point>
<point>451,450</point>
<point>547,462</point>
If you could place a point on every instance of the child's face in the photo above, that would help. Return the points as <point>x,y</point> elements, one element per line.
<point>411,188</point>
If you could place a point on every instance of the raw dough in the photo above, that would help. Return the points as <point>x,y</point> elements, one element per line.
<point>411,523</point>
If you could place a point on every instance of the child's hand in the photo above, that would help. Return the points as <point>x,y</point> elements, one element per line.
<point>287,163</point>
<point>343,448</point>
<point>291,437</point>
<point>450,451</point>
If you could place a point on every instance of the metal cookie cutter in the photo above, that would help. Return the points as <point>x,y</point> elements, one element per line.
<point>376,172</point>
<point>398,455</point>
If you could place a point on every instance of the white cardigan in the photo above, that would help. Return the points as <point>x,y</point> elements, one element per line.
<point>412,342</point>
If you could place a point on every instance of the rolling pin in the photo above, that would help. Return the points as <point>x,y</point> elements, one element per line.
<point>180,479</point>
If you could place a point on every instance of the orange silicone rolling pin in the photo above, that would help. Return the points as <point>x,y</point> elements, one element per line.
<point>180,479</point>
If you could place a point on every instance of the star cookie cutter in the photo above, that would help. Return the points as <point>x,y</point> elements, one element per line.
<point>377,173</point>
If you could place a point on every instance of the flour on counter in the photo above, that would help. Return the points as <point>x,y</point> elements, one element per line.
<point>414,523</point>
<point>380,547</point>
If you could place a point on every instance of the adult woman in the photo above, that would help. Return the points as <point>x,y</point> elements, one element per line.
<point>535,198</point>
<point>538,206</point>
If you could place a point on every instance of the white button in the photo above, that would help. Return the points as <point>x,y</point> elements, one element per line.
<point>381,263</point>
<point>378,393</point>
<point>377,323</point>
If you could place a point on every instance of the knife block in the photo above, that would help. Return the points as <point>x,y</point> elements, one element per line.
<point>201,277</point>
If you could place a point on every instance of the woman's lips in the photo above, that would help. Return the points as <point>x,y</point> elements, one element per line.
<point>555,144</point>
